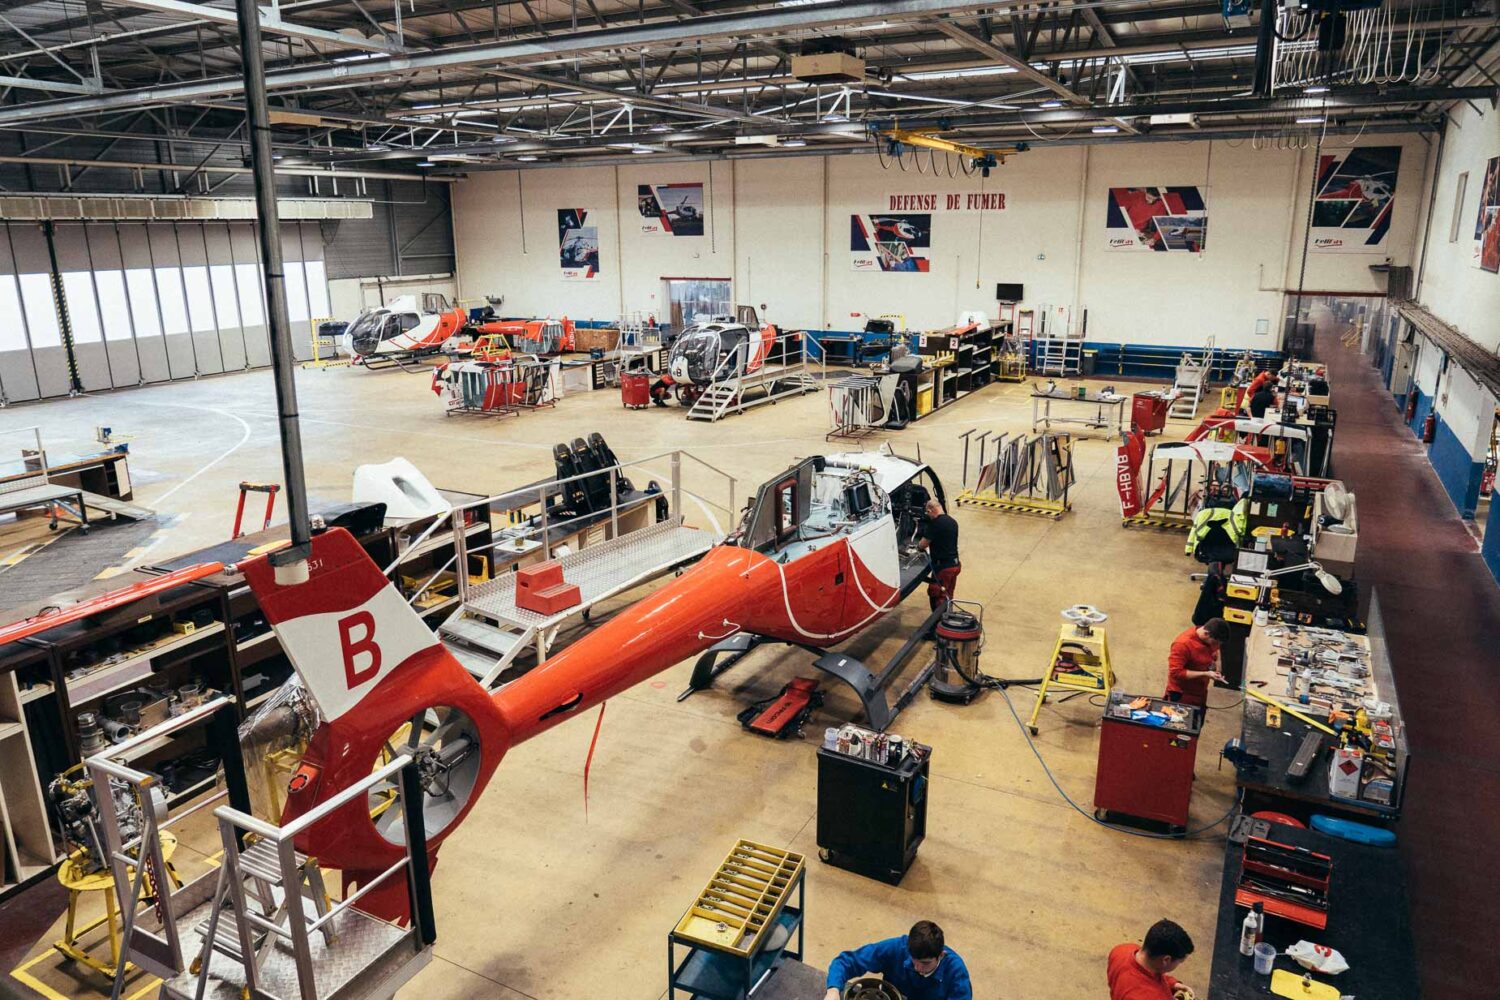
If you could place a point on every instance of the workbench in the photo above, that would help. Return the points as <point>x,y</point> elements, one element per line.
<point>1268,786</point>
<point>1041,411</point>
<point>1368,923</point>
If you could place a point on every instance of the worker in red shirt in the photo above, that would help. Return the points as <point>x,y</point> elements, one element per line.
<point>1261,378</point>
<point>1141,973</point>
<point>1194,661</point>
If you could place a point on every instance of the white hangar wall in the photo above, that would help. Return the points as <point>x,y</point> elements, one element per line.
<point>780,229</point>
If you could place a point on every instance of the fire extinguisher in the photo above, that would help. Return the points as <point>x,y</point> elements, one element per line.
<point>1411,405</point>
<point>1429,428</point>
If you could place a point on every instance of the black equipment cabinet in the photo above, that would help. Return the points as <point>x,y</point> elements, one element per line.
<point>872,817</point>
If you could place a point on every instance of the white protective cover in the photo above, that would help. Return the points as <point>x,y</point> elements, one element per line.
<point>399,485</point>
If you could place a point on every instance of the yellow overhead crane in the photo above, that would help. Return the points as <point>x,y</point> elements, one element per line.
<point>980,157</point>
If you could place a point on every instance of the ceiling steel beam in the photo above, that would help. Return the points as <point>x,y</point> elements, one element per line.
<point>630,96</point>
<point>1023,69</point>
<point>750,24</point>
<point>31,83</point>
<point>269,21</point>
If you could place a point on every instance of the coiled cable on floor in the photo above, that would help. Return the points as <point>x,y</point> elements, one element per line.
<point>1086,814</point>
<point>983,680</point>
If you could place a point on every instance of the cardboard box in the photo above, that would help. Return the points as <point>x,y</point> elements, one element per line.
<point>1344,771</point>
<point>590,340</point>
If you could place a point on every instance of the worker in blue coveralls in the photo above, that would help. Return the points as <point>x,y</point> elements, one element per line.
<point>916,963</point>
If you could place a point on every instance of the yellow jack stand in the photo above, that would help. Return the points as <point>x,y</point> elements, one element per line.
<point>73,877</point>
<point>1080,660</point>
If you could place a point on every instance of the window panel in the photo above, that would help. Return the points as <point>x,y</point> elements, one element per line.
<point>83,316</point>
<point>143,302</point>
<point>200,299</point>
<point>296,292</point>
<point>41,311</point>
<point>317,288</point>
<point>252,299</point>
<point>174,317</point>
<point>114,306</point>
<point>12,333</point>
<point>226,300</point>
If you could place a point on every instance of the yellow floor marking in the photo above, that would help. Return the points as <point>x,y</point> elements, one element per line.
<point>22,973</point>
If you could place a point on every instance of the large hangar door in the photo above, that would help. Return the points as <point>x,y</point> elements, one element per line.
<point>18,375</point>
<point>143,300</point>
<point>197,288</point>
<point>171,296</point>
<point>36,317</point>
<point>76,270</point>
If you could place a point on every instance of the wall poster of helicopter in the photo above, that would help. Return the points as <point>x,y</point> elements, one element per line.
<point>670,209</point>
<point>577,244</point>
<point>1356,191</point>
<point>890,242</point>
<point>1487,223</point>
<point>1156,219</point>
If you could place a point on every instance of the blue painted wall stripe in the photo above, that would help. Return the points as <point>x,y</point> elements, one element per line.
<point>1456,468</point>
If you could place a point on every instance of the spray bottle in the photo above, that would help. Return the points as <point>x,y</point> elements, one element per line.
<point>1250,930</point>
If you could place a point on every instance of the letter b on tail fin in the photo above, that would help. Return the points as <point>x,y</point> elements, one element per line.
<point>345,628</point>
<point>363,647</point>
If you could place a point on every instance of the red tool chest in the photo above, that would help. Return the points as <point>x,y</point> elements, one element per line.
<point>1148,412</point>
<point>1147,749</point>
<point>635,390</point>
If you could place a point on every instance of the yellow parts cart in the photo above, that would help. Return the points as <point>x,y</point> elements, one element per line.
<point>741,924</point>
<point>1080,659</point>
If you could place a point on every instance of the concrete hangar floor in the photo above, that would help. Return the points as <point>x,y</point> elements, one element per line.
<point>538,897</point>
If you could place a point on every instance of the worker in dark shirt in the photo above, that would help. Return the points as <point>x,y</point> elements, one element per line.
<point>940,542</point>
<point>1263,400</point>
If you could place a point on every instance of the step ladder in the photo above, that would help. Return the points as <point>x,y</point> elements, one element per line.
<point>716,401</point>
<point>1190,382</point>
<point>250,908</point>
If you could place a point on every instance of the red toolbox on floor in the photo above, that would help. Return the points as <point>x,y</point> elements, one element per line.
<point>1148,412</point>
<point>1147,749</point>
<point>635,391</point>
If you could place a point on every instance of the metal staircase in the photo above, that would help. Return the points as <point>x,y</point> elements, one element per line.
<point>1190,382</point>
<point>246,932</point>
<point>733,392</point>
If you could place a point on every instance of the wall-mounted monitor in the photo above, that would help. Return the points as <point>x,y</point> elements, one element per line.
<point>1006,292</point>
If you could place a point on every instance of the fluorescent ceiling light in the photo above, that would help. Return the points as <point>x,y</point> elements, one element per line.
<point>660,127</point>
<point>1316,88</point>
<point>426,163</point>
<point>956,74</point>
<point>1050,104</point>
<point>526,158</point>
<point>1311,120</point>
<point>1105,129</point>
<point>641,150</point>
<point>504,138</point>
<point>794,142</point>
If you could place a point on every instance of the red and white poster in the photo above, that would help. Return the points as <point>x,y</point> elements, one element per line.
<point>1356,192</point>
<point>670,209</point>
<point>1158,219</point>
<point>890,242</point>
<point>1487,222</point>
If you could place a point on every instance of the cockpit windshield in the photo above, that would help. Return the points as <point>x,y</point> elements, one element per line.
<point>809,501</point>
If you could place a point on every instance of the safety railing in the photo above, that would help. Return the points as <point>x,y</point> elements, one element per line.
<point>541,528</point>
<point>134,824</point>
<point>293,923</point>
<point>29,468</point>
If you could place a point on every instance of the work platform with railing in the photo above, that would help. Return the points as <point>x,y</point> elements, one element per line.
<point>261,924</point>
<point>745,377</point>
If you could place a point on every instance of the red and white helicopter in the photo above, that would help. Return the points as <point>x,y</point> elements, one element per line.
<point>407,327</point>
<point>824,550</point>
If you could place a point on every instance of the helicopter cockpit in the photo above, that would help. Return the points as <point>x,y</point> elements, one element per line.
<point>808,505</point>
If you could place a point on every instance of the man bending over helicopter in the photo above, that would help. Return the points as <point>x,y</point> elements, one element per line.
<point>940,542</point>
